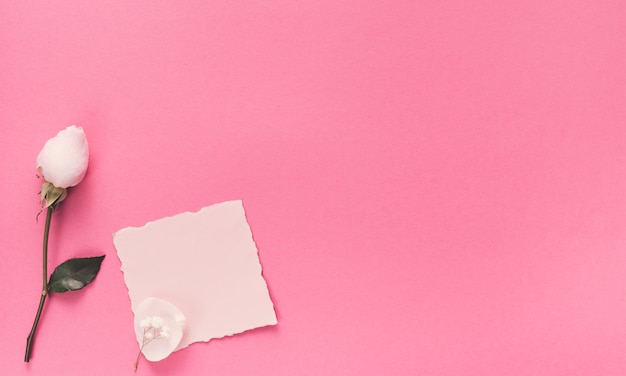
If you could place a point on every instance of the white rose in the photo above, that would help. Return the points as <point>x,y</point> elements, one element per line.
<point>64,158</point>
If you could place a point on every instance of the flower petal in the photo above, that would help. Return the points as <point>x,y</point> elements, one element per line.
<point>159,348</point>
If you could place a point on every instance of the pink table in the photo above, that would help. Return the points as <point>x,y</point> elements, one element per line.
<point>435,187</point>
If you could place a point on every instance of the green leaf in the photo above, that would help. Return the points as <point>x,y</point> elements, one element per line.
<point>74,274</point>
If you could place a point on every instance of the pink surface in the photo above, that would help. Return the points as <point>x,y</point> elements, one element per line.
<point>435,188</point>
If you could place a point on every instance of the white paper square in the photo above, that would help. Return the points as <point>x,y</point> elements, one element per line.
<point>206,264</point>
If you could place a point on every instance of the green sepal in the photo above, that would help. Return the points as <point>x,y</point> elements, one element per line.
<point>51,195</point>
<point>74,274</point>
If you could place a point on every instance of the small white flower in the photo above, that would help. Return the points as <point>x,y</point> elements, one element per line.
<point>157,322</point>
<point>145,322</point>
<point>165,328</point>
<point>64,158</point>
<point>165,332</point>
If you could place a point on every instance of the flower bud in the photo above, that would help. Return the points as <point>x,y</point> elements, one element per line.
<point>64,158</point>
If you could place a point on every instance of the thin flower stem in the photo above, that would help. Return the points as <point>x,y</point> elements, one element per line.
<point>138,356</point>
<point>143,344</point>
<point>44,291</point>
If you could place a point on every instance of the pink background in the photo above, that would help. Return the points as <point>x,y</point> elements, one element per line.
<point>435,187</point>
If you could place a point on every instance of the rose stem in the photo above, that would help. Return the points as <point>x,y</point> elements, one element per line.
<point>44,291</point>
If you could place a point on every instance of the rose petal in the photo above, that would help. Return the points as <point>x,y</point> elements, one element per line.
<point>159,348</point>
